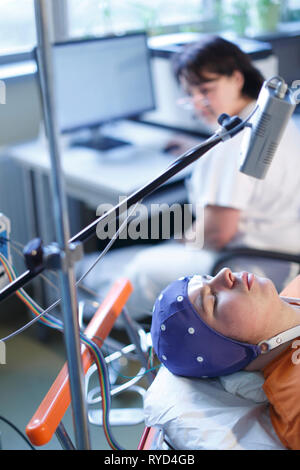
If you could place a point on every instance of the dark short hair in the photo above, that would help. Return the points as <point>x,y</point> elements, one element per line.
<point>216,55</point>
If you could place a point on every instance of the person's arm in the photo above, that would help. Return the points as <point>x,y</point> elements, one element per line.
<point>219,225</point>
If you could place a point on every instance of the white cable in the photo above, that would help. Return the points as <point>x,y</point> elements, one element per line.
<point>52,306</point>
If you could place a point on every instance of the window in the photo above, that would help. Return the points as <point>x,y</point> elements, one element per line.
<point>79,18</point>
<point>96,17</point>
<point>292,12</point>
<point>17,26</point>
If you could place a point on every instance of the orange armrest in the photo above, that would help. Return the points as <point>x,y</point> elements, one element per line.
<point>46,419</point>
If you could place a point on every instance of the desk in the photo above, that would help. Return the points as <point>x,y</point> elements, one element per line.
<point>94,177</point>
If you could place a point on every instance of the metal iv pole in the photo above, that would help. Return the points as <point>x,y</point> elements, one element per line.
<point>65,255</point>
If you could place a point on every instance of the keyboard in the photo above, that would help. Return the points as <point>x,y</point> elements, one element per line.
<point>104,143</point>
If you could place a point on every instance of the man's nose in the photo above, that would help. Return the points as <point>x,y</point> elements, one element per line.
<point>224,278</point>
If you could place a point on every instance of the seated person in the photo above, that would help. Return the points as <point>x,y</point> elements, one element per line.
<point>209,327</point>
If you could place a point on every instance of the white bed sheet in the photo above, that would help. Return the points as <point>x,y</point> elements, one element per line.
<point>227,413</point>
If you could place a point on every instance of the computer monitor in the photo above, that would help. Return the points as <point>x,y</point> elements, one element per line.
<point>100,80</point>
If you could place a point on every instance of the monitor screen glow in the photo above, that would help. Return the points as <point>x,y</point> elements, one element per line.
<point>100,80</point>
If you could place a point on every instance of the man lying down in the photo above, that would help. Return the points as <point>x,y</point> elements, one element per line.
<point>206,327</point>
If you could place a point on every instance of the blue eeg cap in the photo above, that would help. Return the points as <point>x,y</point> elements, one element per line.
<point>186,345</point>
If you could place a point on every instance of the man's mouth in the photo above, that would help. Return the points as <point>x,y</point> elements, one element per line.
<point>251,279</point>
<point>248,279</point>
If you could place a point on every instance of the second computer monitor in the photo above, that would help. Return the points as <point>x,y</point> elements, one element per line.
<point>100,80</point>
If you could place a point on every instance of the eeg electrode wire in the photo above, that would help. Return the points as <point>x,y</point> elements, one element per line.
<point>53,322</point>
<point>52,306</point>
<point>99,359</point>
<point>44,317</point>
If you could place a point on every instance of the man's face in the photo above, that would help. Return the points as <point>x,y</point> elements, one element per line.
<point>217,94</point>
<point>237,305</point>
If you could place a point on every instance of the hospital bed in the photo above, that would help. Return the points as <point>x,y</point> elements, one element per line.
<point>180,413</point>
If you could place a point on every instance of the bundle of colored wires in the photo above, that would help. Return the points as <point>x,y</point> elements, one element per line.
<point>99,359</point>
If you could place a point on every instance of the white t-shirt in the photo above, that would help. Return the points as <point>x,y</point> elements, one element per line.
<point>270,208</point>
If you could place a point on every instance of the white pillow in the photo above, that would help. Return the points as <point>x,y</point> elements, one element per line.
<point>212,414</point>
